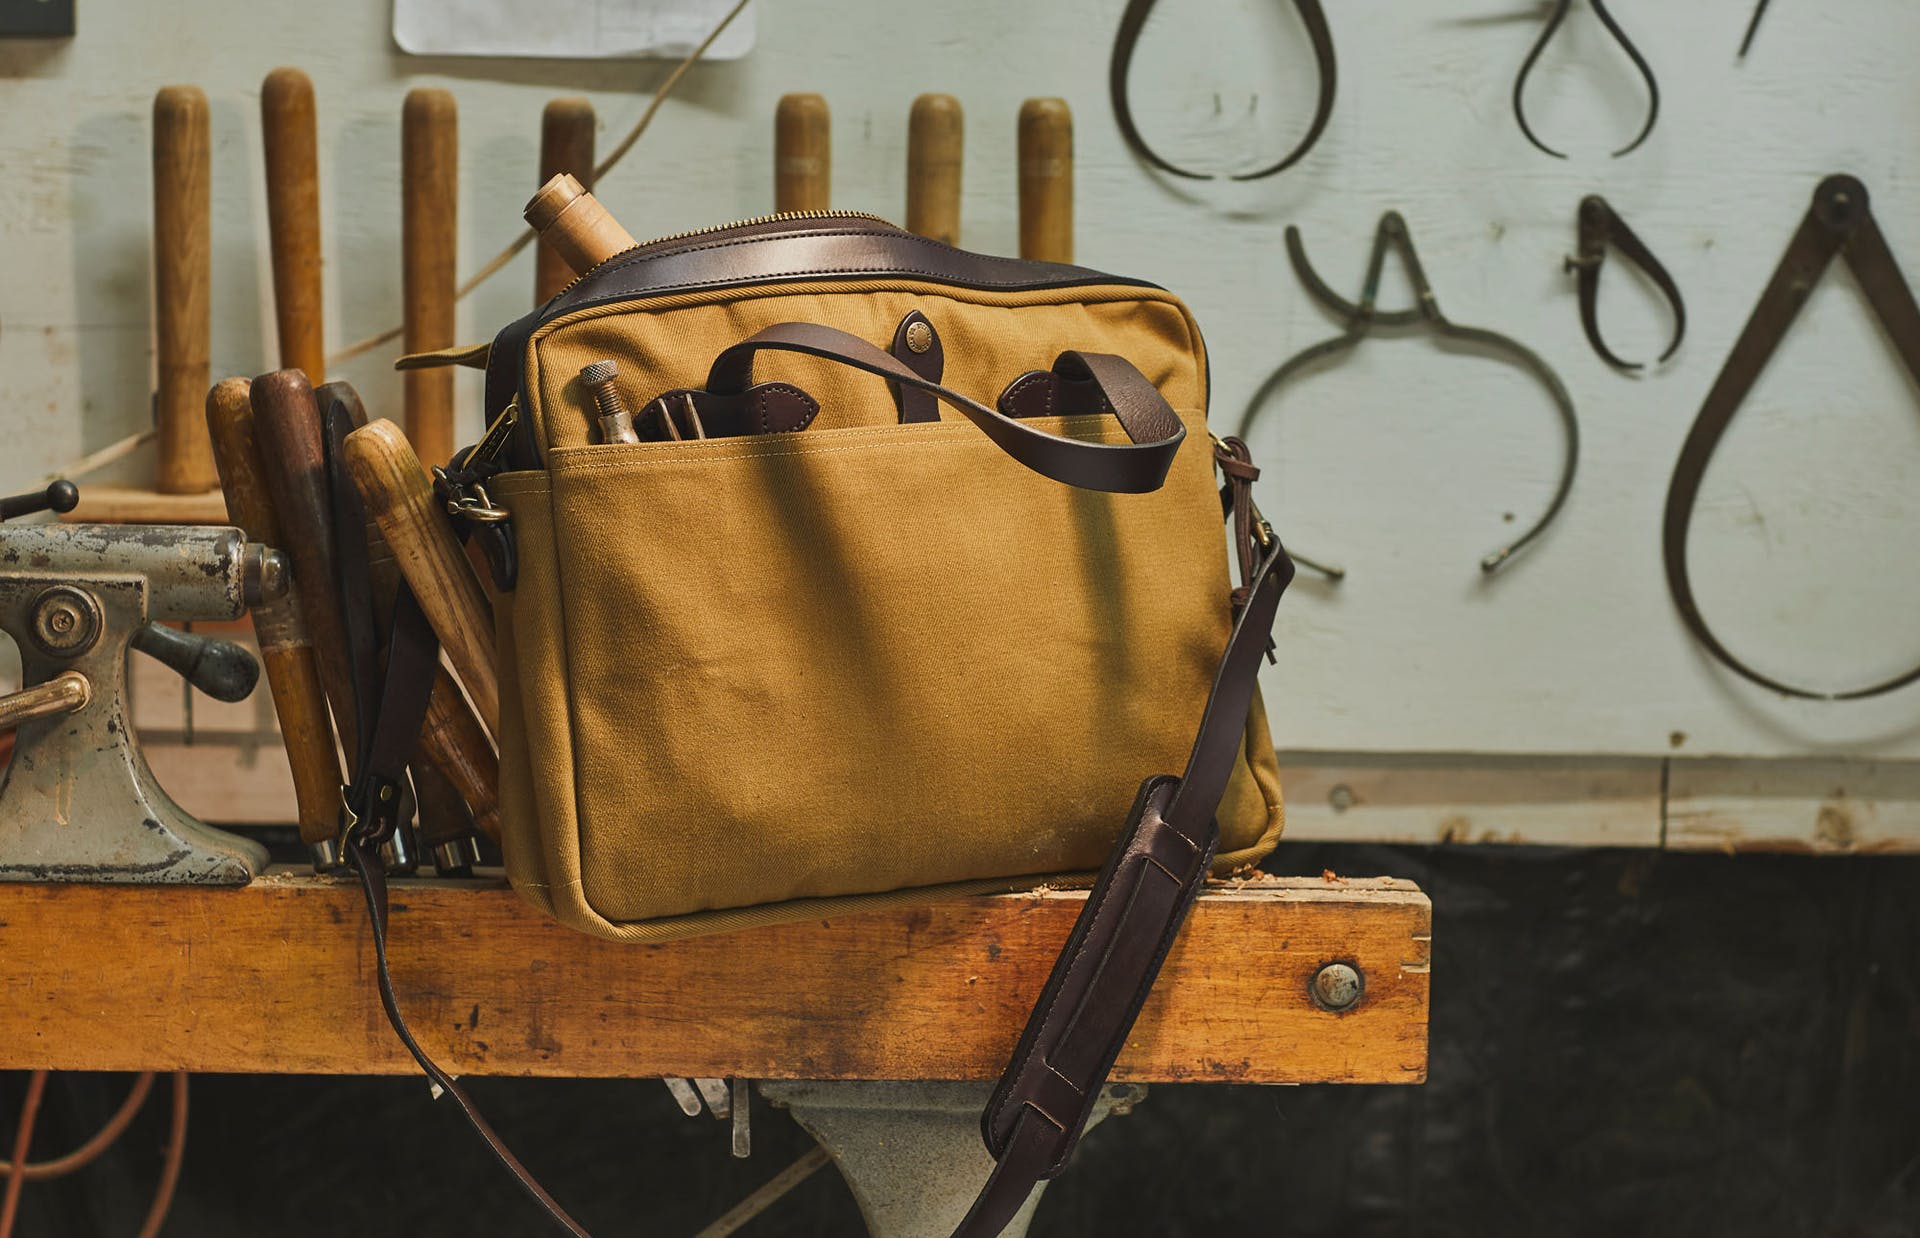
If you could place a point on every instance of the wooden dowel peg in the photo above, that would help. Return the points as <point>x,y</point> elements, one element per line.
<point>935,138</point>
<point>292,150</point>
<point>429,229</point>
<point>182,282</point>
<point>286,651</point>
<point>1046,180</point>
<point>802,154</point>
<point>566,145</point>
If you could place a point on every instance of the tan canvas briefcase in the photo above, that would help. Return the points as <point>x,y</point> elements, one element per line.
<point>910,572</point>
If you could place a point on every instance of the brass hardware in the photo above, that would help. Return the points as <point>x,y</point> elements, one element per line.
<point>66,693</point>
<point>919,336</point>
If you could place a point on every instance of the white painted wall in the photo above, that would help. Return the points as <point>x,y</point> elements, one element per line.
<point>1399,464</point>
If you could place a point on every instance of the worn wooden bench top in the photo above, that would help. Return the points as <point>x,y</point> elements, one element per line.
<point>278,977</point>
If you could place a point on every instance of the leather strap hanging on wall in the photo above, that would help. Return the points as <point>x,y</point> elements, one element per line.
<point>1838,223</point>
<point>1150,879</point>
<point>1134,19</point>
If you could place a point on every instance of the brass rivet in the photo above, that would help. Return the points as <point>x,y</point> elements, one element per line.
<point>386,793</point>
<point>919,336</point>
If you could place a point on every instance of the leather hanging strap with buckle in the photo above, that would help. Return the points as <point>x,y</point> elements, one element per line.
<point>1838,223</point>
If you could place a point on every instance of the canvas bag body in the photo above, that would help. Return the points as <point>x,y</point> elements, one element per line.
<point>760,678</point>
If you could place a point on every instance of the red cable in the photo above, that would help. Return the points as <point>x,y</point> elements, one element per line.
<point>22,1141</point>
<point>170,1172</point>
<point>86,1153</point>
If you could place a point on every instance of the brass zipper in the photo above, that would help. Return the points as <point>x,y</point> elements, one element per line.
<point>756,221</point>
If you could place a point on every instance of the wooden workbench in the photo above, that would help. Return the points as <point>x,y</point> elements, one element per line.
<point>278,977</point>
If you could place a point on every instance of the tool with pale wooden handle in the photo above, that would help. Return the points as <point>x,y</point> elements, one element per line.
<point>182,279</point>
<point>572,223</point>
<point>287,426</point>
<point>292,148</point>
<point>430,195</point>
<point>802,154</point>
<point>400,499</point>
<point>936,132</point>
<point>457,775</point>
<point>566,145</point>
<point>1046,180</point>
<point>299,700</point>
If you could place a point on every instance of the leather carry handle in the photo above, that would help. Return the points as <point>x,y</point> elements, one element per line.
<point>1134,467</point>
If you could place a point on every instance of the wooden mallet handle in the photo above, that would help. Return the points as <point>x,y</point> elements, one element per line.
<point>566,145</point>
<point>429,227</point>
<point>287,425</point>
<point>182,279</point>
<point>286,651</point>
<point>1046,180</point>
<point>292,148</point>
<point>802,154</point>
<point>400,498</point>
<point>936,132</point>
<point>572,223</point>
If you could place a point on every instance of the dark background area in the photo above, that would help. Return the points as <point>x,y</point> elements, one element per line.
<point>1637,1042</point>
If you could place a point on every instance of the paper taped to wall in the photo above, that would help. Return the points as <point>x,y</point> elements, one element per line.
<point>577,29</point>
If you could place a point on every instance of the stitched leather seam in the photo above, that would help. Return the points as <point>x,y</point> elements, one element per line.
<point>953,438</point>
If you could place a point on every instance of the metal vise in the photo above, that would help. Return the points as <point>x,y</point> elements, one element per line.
<point>79,803</point>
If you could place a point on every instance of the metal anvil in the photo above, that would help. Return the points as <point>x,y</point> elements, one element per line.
<point>79,803</point>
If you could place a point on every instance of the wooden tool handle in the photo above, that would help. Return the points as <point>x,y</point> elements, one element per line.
<point>292,147</point>
<point>802,154</point>
<point>566,145</point>
<point>452,741</point>
<point>572,223</point>
<point>182,278</point>
<point>935,137</point>
<point>1046,180</point>
<point>287,425</point>
<point>399,497</point>
<point>429,226</point>
<point>299,700</point>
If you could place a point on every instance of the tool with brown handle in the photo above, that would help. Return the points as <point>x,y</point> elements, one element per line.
<point>457,761</point>
<point>802,154</point>
<point>286,651</point>
<point>430,194</point>
<point>1046,180</point>
<point>572,223</point>
<point>400,499</point>
<point>292,150</point>
<point>935,135</point>
<point>566,145</point>
<point>182,279</point>
<point>287,426</point>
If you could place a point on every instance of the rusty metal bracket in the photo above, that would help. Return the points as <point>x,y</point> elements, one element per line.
<point>1361,319</point>
<point>1839,223</point>
<point>1600,226</point>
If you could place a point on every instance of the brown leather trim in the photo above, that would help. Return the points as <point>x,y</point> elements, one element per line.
<point>1043,393</point>
<point>765,408</point>
<point>929,361</point>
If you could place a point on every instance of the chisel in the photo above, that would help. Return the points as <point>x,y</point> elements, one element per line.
<point>935,134</point>
<point>400,499</point>
<point>457,762</point>
<point>1046,180</point>
<point>292,150</point>
<point>802,154</point>
<point>299,701</point>
<point>287,425</point>
<point>566,145</point>
<point>429,219</point>
<point>182,279</point>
